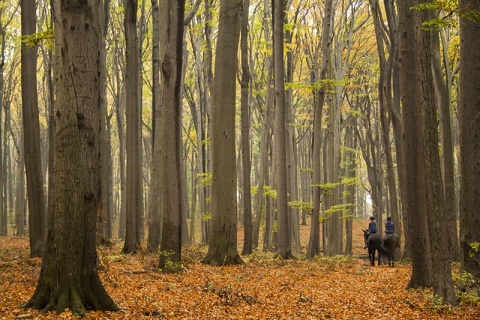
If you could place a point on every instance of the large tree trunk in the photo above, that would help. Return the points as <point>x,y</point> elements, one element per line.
<point>134,183</point>
<point>415,209</point>
<point>434,191</point>
<point>222,248</point>
<point>169,133</point>
<point>469,108</point>
<point>31,138</point>
<point>283,243</point>
<point>69,278</point>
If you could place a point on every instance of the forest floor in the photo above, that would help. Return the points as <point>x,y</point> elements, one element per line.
<point>264,288</point>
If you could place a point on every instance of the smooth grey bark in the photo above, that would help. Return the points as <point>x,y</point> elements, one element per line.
<point>134,174</point>
<point>155,214</point>
<point>31,135</point>
<point>222,249</point>
<point>314,239</point>
<point>283,241</point>
<point>168,136</point>
<point>245,135</point>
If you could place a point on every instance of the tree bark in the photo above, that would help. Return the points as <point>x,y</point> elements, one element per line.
<point>222,248</point>
<point>171,58</point>
<point>284,243</point>
<point>31,132</point>
<point>245,124</point>
<point>134,182</point>
<point>69,278</point>
<point>415,207</point>
<point>155,214</point>
<point>469,110</point>
<point>314,240</point>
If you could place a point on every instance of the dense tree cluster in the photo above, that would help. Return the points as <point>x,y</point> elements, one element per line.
<point>171,122</point>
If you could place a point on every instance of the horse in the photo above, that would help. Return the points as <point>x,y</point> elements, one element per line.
<point>390,242</point>
<point>374,243</point>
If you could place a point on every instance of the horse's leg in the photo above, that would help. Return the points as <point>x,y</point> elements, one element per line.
<point>371,257</point>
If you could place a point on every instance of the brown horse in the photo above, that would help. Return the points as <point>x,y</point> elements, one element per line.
<point>390,242</point>
<point>374,243</point>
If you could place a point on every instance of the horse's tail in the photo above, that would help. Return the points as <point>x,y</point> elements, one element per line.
<point>382,250</point>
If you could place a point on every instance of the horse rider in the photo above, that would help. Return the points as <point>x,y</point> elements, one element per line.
<point>372,228</point>
<point>390,228</point>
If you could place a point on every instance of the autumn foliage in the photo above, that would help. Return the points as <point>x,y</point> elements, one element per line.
<point>263,288</point>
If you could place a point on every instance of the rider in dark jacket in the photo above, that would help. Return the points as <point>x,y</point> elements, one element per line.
<point>389,226</point>
<point>372,228</point>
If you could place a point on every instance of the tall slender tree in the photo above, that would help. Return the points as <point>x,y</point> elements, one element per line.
<point>222,249</point>
<point>245,123</point>
<point>69,278</point>
<point>284,237</point>
<point>314,240</point>
<point>134,183</point>
<point>31,128</point>
<point>168,136</point>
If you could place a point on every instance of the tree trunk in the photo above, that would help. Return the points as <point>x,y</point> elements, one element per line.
<point>134,183</point>
<point>446,130</point>
<point>31,137</point>
<point>20,193</point>
<point>245,123</point>
<point>155,220</point>
<point>284,243</point>
<point>69,278</point>
<point>314,240</point>
<point>222,248</point>
<point>171,59</point>
<point>469,110</point>
<point>105,211</point>
<point>415,209</point>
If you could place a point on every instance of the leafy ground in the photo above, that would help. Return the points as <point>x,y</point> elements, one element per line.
<point>263,288</point>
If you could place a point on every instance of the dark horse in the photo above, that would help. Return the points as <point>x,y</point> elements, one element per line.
<point>390,242</point>
<point>374,243</point>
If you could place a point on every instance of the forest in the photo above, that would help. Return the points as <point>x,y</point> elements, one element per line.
<point>222,158</point>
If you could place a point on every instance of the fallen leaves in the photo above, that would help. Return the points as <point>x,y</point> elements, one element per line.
<point>264,288</point>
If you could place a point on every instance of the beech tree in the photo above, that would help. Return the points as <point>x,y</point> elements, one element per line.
<point>134,182</point>
<point>314,240</point>
<point>245,124</point>
<point>168,136</point>
<point>284,242</point>
<point>222,249</point>
<point>469,110</point>
<point>69,277</point>
<point>31,137</point>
